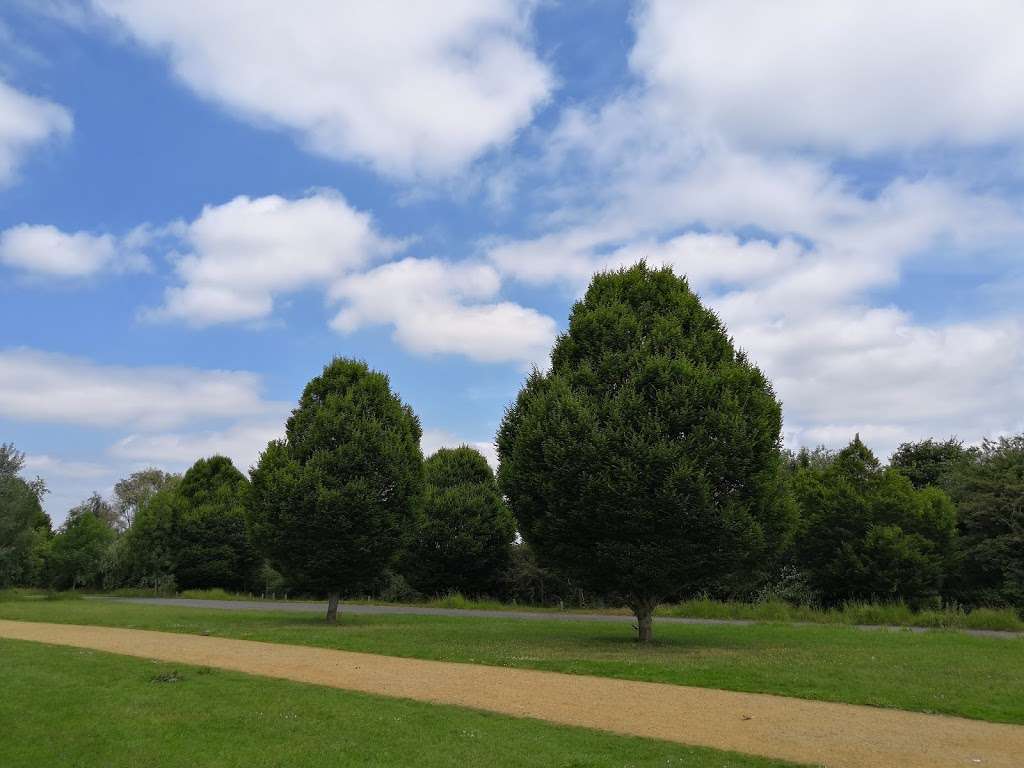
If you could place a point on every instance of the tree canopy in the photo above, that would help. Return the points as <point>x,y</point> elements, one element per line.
<point>463,540</point>
<point>867,534</point>
<point>646,462</point>
<point>214,549</point>
<point>989,493</point>
<point>332,503</point>
<point>931,462</point>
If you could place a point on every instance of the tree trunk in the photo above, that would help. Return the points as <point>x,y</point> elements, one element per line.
<point>644,612</point>
<point>332,608</point>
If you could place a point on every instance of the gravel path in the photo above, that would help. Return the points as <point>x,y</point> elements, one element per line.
<point>300,606</point>
<point>821,733</point>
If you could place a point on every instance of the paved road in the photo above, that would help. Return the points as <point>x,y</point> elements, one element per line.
<point>298,606</point>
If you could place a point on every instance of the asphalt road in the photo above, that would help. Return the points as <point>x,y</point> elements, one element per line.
<point>298,606</point>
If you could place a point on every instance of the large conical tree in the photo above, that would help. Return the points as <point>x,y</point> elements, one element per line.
<point>332,503</point>
<point>645,464</point>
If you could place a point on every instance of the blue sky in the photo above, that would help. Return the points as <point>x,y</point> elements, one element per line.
<point>199,208</point>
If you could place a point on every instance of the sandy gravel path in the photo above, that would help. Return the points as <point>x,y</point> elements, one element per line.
<point>837,735</point>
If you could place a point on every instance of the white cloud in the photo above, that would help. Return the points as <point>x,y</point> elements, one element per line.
<point>26,121</point>
<point>242,443</point>
<point>795,250</point>
<point>414,89</point>
<point>43,387</point>
<point>852,76</point>
<point>435,439</point>
<point>244,252</point>
<point>439,307</point>
<point>46,250</point>
<point>53,466</point>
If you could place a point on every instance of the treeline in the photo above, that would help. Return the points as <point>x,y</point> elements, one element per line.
<point>644,466</point>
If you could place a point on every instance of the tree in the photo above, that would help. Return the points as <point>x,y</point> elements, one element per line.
<point>12,461</point>
<point>646,463</point>
<point>930,462</point>
<point>131,493</point>
<point>23,528</point>
<point>463,541</point>
<point>213,546</point>
<point>867,534</point>
<point>332,503</point>
<point>147,555</point>
<point>99,508</point>
<point>989,493</point>
<point>78,550</point>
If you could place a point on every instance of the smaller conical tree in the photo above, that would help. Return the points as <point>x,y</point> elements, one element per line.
<point>332,503</point>
<point>214,546</point>
<point>463,542</point>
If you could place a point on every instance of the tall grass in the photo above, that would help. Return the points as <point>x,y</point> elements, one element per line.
<point>891,614</point>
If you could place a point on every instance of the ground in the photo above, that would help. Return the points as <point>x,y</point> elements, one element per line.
<point>943,672</point>
<point>118,712</point>
<point>949,672</point>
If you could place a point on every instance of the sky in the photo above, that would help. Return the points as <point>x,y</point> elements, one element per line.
<point>202,203</point>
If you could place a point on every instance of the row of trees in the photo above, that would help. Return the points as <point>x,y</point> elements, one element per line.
<point>168,532</point>
<point>644,465</point>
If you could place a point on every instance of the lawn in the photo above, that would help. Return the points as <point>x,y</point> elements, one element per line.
<point>945,672</point>
<point>71,707</point>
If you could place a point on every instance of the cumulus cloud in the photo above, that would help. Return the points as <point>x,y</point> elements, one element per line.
<point>26,121</point>
<point>45,387</point>
<point>241,442</point>
<point>435,439</point>
<point>858,76</point>
<point>440,307</point>
<point>788,250</point>
<point>241,254</point>
<point>413,89</point>
<point>46,250</point>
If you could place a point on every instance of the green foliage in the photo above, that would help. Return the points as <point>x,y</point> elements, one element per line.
<point>99,508</point>
<point>24,532</point>
<point>146,556</point>
<point>989,493</point>
<point>132,492</point>
<point>464,538</point>
<point>931,462</point>
<point>332,503</point>
<point>867,534</point>
<point>646,462</point>
<point>77,552</point>
<point>214,549</point>
<point>191,534</point>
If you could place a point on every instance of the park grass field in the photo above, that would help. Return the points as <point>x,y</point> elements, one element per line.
<point>936,672</point>
<point>117,711</point>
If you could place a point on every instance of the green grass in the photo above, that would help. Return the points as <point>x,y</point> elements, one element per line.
<point>894,614</point>
<point>72,707</point>
<point>945,672</point>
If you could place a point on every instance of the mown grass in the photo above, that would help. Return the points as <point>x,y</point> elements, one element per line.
<point>72,707</point>
<point>944,672</point>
